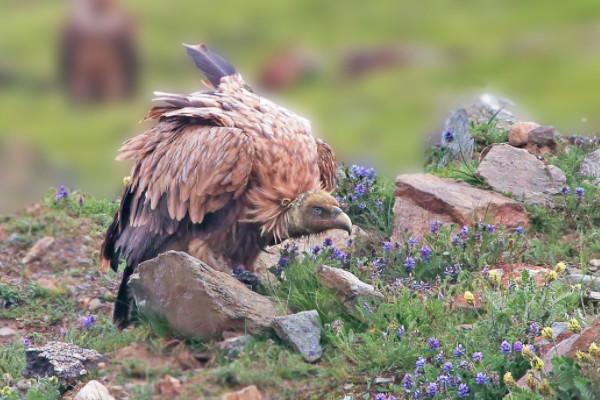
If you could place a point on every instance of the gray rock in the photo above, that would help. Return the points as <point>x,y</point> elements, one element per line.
<point>542,136</point>
<point>197,300</point>
<point>380,380</point>
<point>479,112</point>
<point>66,361</point>
<point>234,346</point>
<point>38,249</point>
<point>589,281</point>
<point>593,296</point>
<point>303,332</point>
<point>7,331</point>
<point>590,167</point>
<point>511,170</point>
<point>93,390</point>
<point>346,285</point>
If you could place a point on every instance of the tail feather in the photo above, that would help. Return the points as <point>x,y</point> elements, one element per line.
<point>212,64</point>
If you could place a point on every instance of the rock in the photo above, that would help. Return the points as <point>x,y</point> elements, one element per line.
<point>233,346</point>
<point>590,167</point>
<point>511,170</point>
<point>542,136</point>
<point>345,284</point>
<point>514,273</point>
<point>196,300</point>
<point>517,134</point>
<point>421,198</point>
<point>94,304</point>
<point>589,281</point>
<point>66,361</point>
<point>481,111</point>
<point>247,393</point>
<point>38,249</point>
<point>93,390</point>
<point>47,283</point>
<point>593,265</point>
<point>302,331</point>
<point>7,331</point>
<point>380,380</point>
<point>169,387</point>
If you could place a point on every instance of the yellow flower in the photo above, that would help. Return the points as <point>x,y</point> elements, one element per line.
<point>527,353</point>
<point>537,364</point>
<point>372,330</point>
<point>544,388</point>
<point>509,380</point>
<point>53,379</point>
<point>576,287</point>
<point>469,298</point>
<point>126,180</point>
<point>551,276</point>
<point>583,357</point>
<point>548,334</point>
<point>560,267</point>
<point>531,381</point>
<point>594,350</point>
<point>574,326</point>
<point>5,391</point>
<point>494,277</point>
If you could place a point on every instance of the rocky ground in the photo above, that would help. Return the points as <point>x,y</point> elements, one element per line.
<point>475,279</point>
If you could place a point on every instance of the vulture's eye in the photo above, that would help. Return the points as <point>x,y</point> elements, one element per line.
<point>317,210</point>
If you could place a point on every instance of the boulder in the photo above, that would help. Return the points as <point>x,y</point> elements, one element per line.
<point>421,198</point>
<point>66,361</point>
<point>302,331</point>
<point>590,167</point>
<point>510,170</point>
<point>542,136</point>
<point>93,390</point>
<point>346,285</point>
<point>247,393</point>
<point>517,134</point>
<point>196,300</point>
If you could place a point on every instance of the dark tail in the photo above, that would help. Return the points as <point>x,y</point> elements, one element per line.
<point>123,305</point>
<point>213,65</point>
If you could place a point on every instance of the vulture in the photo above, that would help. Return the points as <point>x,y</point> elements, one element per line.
<point>223,174</point>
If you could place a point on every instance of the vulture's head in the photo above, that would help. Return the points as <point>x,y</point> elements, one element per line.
<point>316,211</point>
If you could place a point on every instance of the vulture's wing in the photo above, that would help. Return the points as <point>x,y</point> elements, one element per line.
<point>195,169</point>
<point>327,165</point>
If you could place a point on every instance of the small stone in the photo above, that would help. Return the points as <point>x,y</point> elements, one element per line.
<point>169,387</point>
<point>247,393</point>
<point>517,134</point>
<point>233,346</point>
<point>38,249</point>
<point>590,167</point>
<point>542,136</point>
<point>593,296</point>
<point>380,380</point>
<point>302,331</point>
<point>94,304</point>
<point>7,331</point>
<point>93,390</point>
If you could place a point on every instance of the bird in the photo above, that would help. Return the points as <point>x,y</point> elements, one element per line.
<point>223,174</point>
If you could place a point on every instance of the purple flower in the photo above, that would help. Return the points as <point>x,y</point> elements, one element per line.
<point>238,270</point>
<point>459,350</point>
<point>401,332</point>
<point>26,342</point>
<point>486,273</point>
<point>449,135</point>
<point>534,329</point>
<point>439,357</point>
<point>362,206</point>
<point>62,193</point>
<point>477,356</point>
<point>432,389</point>
<point>505,347</point>
<point>491,228</point>
<point>452,271</point>
<point>378,204</point>
<point>566,190</point>
<point>413,241</point>
<point>434,343</point>
<point>519,230</point>
<point>284,262</point>
<point>464,365</point>
<point>425,253</point>
<point>349,242</point>
<point>62,331</point>
<point>409,264</point>
<point>387,246</point>
<point>380,396</point>
<point>532,348</point>
<point>418,394</point>
<point>456,240</point>
<point>435,226</point>
<point>481,378</point>
<point>420,363</point>
<point>359,191</point>
<point>463,390</point>
<point>448,367</point>
<point>88,321</point>
<point>517,347</point>
<point>579,191</point>
<point>444,380</point>
<point>464,231</point>
<point>407,382</point>
<point>316,249</point>
<point>327,242</point>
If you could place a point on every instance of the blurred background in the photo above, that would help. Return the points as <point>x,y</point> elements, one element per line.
<point>377,78</point>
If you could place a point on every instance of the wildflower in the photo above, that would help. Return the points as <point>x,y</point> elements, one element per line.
<point>463,390</point>
<point>328,242</point>
<point>413,241</point>
<point>401,332</point>
<point>574,326</point>
<point>519,230</point>
<point>409,264</point>
<point>491,228</point>
<point>407,382</point>
<point>530,381</point>
<point>509,380</point>
<point>560,267</point>
<point>439,357</point>
<point>359,191</point>
<point>362,206</point>
<point>583,357</point>
<point>594,350</point>
<point>456,240</point>
<point>435,226</point>
<point>465,365</point>
<point>349,242</point>
<point>378,204</point>
<point>527,352</point>
<point>62,331</point>
<point>426,253</point>
<point>459,350</point>
<point>432,389</point>
<point>452,271</point>
<point>548,334</point>
<point>53,380</point>
<point>518,347</point>
<point>26,342</point>
<point>477,356</point>
<point>566,190</point>
<point>544,388</point>
<point>62,193</point>
<point>6,390</point>
<point>380,396</point>
<point>449,135</point>
<point>444,380</point>
<point>448,367</point>
<point>534,329</point>
<point>579,191</point>
<point>387,246</point>
<point>316,249</point>
<point>494,277</point>
<point>505,347</point>
<point>537,364</point>
<point>126,180</point>
<point>551,276</point>
<point>88,321</point>
<point>481,378</point>
<point>464,232</point>
<point>469,298</point>
<point>284,262</point>
<point>420,363</point>
<point>418,394</point>
<point>368,309</point>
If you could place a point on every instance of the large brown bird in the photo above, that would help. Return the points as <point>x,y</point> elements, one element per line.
<point>223,171</point>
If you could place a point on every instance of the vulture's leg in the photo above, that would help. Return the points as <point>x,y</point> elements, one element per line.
<point>122,314</point>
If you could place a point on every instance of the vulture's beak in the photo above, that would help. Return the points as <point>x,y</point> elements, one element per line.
<point>342,220</point>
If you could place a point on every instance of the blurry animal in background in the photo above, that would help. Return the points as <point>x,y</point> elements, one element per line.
<point>226,172</point>
<point>98,53</point>
<point>287,67</point>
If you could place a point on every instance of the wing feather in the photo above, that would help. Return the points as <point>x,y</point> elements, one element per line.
<point>327,165</point>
